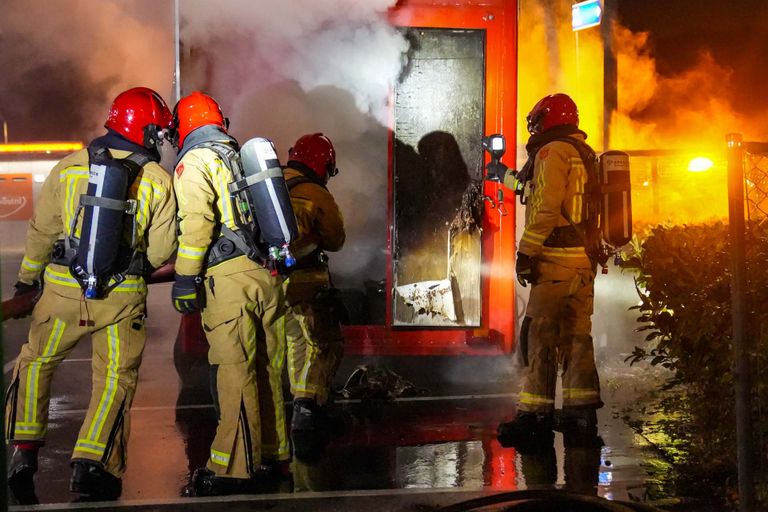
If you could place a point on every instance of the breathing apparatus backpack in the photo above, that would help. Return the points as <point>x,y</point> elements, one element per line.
<point>607,213</point>
<point>101,253</point>
<point>266,223</point>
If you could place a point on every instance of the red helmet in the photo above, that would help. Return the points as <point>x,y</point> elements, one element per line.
<point>135,111</point>
<point>196,110</point>
<point>316,152</point>
<point>550,111</point>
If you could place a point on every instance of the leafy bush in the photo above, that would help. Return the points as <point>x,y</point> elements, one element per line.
<point>683,281</point>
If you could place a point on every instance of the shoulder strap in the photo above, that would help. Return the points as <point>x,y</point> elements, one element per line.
<point>235,239</point>
<point>244,243</point>
<point>229,155</point>
<point>137,160</point>
<point>306,172</point>
<point>225,151</point>
<point>586,153</point>
<point>589,159</point>
<point>135,163</point>
<point>291,183</point>
<point>587,230</point>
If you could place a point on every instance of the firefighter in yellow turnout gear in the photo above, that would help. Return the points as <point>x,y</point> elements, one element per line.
<point>312,329</point>
<point>552,257</point>
<point>241,304</point>
<point>115,321</point>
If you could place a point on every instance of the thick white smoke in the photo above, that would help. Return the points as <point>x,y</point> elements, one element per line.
<point>283,69</point>
<point>338,43</point>
<point>279,69</point>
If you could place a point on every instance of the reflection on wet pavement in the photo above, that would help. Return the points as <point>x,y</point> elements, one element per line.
<point>429,442</point>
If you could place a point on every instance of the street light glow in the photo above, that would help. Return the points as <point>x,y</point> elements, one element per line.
<point>700,164</point>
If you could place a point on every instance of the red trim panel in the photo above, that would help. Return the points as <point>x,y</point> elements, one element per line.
<point>497,332</point>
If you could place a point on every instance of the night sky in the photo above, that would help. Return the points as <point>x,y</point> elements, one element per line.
<point>735,32</point>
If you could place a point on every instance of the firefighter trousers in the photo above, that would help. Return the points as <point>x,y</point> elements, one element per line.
<point>556,332</point>
<point>116,327</point>
<point>313,334</point>
<point>240,317</point>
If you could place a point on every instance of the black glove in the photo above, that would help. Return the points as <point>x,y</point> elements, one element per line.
<point>186,294</point>
<point>23,288</point>
<point>525,268</point>
<point>496,171</point>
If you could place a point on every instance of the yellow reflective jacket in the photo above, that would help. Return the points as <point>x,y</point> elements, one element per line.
<point>559,180</point>
<point>200,182</point>
<point>57,205</point>
<point>318,217</point>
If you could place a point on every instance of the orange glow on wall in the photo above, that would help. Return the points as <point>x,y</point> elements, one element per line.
<point>40,147</point>
<point>554,58</point>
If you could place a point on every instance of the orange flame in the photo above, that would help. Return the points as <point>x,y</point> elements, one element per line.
<point>669,119</point>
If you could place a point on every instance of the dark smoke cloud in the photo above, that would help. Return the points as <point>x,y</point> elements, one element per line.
<point>37,107</point>
<point>732,33</point>
<point>64,61</point>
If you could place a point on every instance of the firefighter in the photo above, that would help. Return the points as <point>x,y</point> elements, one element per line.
<point>312,325</point>
<point>552,258</point>
<point>241,303</point>
<point>114,320</point>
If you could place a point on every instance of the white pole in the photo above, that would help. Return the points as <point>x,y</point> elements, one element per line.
<point>177,50</point>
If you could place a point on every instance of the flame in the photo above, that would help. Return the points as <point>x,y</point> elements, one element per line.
<point>678,115</point>
<point>553,58</point>
<point>663,121</point>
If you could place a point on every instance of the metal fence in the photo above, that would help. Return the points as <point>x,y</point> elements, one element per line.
<point>666,191</point>
<point>747,190</point>
<point>756,180</point>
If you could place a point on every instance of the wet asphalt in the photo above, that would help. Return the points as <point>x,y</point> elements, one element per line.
<point>411,453</point>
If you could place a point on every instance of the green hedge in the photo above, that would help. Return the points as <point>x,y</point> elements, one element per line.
<point>682,275</point>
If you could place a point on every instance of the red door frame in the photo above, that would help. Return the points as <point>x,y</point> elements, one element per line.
<point>497,332</point>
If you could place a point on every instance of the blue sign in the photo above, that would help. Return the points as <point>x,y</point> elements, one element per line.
<point>586,14</point>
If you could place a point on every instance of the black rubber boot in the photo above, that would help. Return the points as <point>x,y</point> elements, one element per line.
<point>583,419</point>
<point>307,433</point>
<point>205,482</point>
<point>528,432</point>
<point>582,438</point>
<point>305,415</point>
<point>21,471</point>
<point>93,483</point>
<point>272,477</point>
<point>579,427</point>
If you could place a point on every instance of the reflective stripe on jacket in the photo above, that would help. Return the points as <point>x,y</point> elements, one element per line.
<point>559,180</point>
<point>57,205</point>
<point>200,182</point>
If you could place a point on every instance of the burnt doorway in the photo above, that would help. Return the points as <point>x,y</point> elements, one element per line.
<point>437,169</point>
